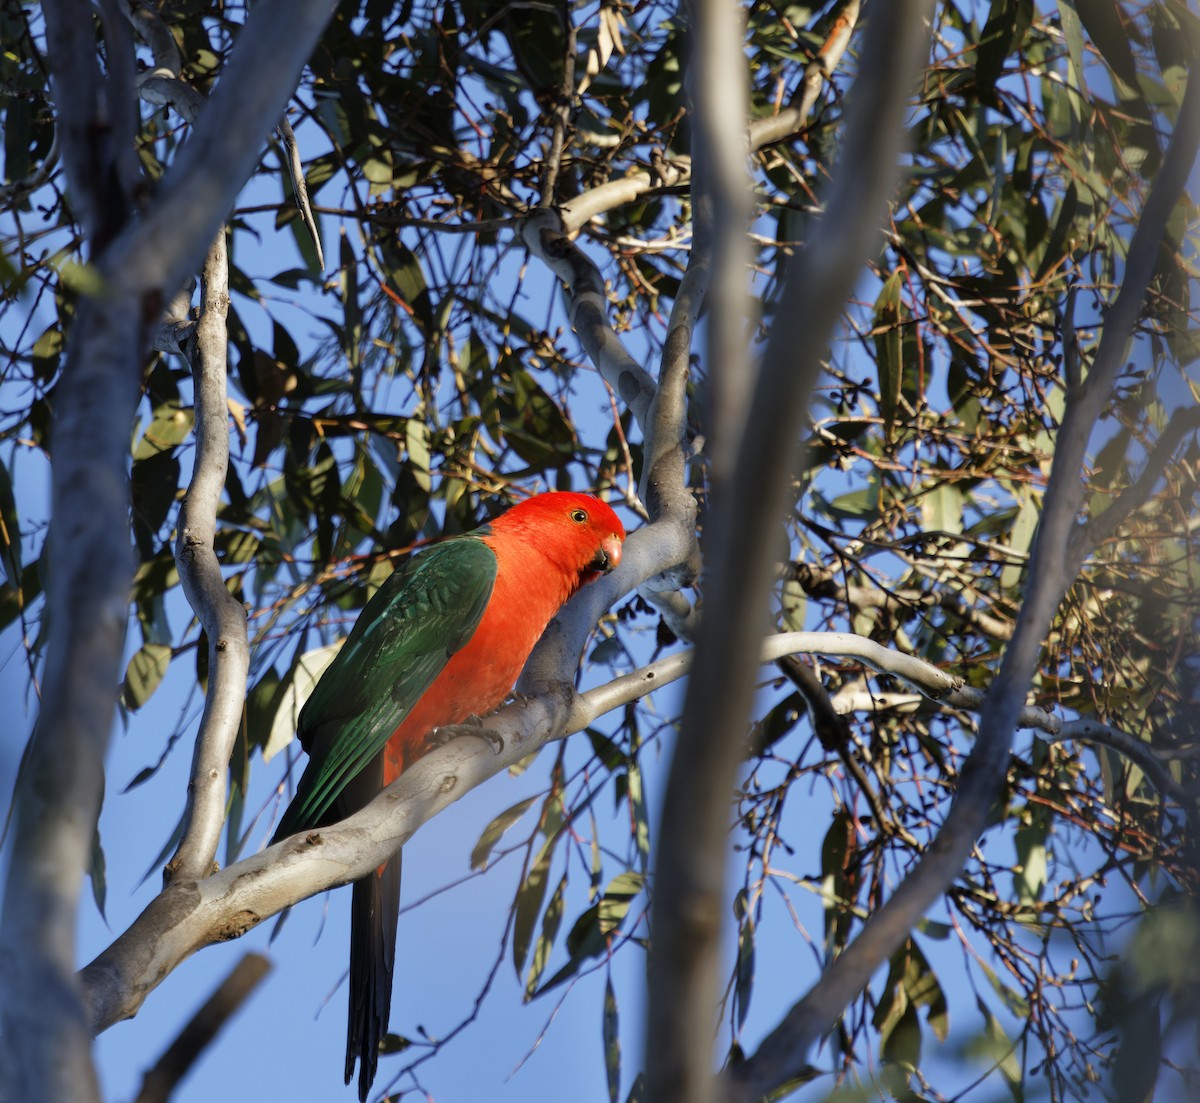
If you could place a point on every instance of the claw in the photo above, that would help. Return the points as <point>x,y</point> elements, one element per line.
<point>472,726</point>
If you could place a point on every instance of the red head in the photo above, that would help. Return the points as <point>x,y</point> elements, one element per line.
<point>578,532</point>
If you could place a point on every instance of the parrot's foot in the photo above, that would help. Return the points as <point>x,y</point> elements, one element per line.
<point>472,726</point>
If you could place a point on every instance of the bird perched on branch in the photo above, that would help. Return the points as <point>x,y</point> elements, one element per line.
<point>443,639</point>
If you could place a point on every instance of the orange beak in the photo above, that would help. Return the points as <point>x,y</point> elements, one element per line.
<point>608,555</point>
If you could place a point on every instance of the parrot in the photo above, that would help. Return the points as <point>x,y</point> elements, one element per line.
<point>442,640</point>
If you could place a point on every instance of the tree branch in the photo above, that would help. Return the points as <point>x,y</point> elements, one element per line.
<point>587,309</point>
<point>579,211</point>
<point>677,172</point>
<point>664,486</point>
<point>741,559</point>
<point>189,915</point>
<point>1130,747</point>
<point>793,118</point>
<point>222,616</point>
<point>723,201</point>
<point>81,109</point>
<point>43,1032</point>
<point>1104,525</point>
<point>300,187</point>
<point>175,1063</point>
<point>552,162</point>
<point>156,254</point>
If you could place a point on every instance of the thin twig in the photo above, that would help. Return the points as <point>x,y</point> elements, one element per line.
<point>300,186</point>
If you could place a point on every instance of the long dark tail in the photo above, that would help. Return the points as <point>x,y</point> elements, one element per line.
<point>374,913</point>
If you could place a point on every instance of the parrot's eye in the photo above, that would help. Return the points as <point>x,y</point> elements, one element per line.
<point>579,516</point>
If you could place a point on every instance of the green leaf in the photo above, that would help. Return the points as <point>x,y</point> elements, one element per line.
<point>83,279</point>
<point>1014,1001</point>
<point>1020,539</point>
<point>1029,877</point>
<point>533,423</point>
<point>1008,20</point>
<point>638,813</point>
<point>144,674</point>
<point>97,873</point>
<point>1105,27</point>
<point>494,830</point>
<point>781,720</point>
<point>930,928</point>
<point>47,351</point>
<point>889,346</point>
<point>614,905</point>
<point>1073,33</point>
<point>528,903</point>
<point>589,935</point>
<point>301,681</point>
<point>902,1043</point>
<point>10,531</point>
<point>995,1048</point>
<point>551,922</point>
<point>856,505</point>
<point>924,990</point>
<point>794,606</point>
<point>407,278</point>
<point>169,428</point>
<point>612,1041</point>
<point>606,652</point>
<point>836,888</point>
<point>416,436</point>
<point>744,973</point>
<point>942,509</point>
<point>262,703</point>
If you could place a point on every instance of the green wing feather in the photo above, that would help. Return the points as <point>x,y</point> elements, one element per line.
<point>425,612</point>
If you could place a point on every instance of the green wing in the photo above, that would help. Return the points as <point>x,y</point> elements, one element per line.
<point>427,610</point>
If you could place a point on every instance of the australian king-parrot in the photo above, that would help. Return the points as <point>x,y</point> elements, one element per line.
<point>443,639</point>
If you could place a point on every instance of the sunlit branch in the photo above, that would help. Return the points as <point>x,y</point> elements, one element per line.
<point>677,172</point>
<point>580,210</point>
<point>587,309</point>
<point>794,117</point>
<point>222,616</point>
